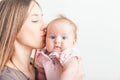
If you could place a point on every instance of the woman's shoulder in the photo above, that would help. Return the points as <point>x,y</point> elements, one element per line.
<point>9,73</point>
<point>6,74</point>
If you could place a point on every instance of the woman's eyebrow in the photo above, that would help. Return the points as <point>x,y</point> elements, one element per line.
<point>35,15</point>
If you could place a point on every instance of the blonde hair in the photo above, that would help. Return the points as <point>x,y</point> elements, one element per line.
<point>12,16</point>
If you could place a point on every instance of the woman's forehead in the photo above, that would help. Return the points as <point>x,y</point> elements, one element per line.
<point>34,9</point>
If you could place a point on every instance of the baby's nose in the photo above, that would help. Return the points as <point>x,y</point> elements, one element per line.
<point>58,40</point>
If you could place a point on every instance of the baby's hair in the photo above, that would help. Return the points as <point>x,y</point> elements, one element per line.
<point>62,17</point>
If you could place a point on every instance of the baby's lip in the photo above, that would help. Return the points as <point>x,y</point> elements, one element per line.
<point>57,48</point>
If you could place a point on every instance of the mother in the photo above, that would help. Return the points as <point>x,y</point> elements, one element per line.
<point>21,30</point>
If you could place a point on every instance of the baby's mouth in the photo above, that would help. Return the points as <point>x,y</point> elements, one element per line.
<point>57,48</point>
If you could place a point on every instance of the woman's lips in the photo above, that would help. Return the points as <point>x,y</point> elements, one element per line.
<point>44,35</point>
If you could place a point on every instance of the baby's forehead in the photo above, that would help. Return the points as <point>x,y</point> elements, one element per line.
<point>62,22</point>
<point>59,22</point>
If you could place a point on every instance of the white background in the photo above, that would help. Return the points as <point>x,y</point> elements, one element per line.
<point>98,33</point>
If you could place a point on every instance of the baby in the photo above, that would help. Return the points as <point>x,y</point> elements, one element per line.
<point>60,40</point>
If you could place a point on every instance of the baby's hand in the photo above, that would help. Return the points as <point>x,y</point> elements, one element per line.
<point>64,56</point>
<point>41,58</point>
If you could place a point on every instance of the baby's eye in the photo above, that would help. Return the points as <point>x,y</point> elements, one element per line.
<point>52,37</point>
<point>64,37</point>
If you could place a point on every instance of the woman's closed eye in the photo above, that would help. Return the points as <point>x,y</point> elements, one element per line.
<point>35,20</point>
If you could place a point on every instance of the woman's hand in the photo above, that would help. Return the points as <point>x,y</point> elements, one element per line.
<point>72,69</point>
<point>72,65</point>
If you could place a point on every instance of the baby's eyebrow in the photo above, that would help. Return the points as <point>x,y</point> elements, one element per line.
<point>51,33</point>
<point>65,33</point>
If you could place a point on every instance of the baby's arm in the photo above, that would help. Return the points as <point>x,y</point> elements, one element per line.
<point>41,74</point>
<point>47,67</point>
<point>41,59</point>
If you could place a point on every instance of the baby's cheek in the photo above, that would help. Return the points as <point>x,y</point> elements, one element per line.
<point>49,47</point>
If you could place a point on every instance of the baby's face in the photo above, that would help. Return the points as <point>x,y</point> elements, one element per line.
<point>60,36</point>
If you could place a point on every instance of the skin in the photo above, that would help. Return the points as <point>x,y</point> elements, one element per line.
<point>30,36</point>
<point>60,36</point>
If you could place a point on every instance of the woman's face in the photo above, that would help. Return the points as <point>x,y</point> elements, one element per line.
<point>32,32</point>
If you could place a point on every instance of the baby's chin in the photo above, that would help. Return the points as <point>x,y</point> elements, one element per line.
<point>57,50</point>
<point>61,50</point>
